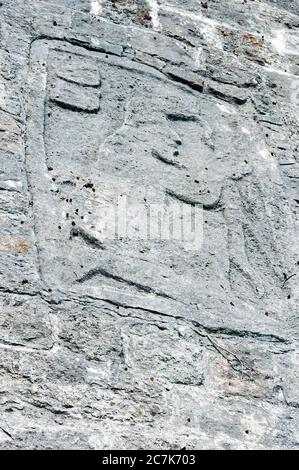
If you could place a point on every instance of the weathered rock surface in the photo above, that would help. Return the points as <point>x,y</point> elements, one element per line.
<point>133,343</point>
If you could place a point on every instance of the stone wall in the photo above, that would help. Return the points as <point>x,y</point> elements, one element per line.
<point>135,342</point>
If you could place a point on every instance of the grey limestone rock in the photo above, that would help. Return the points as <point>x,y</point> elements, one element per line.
<point>139,341</point>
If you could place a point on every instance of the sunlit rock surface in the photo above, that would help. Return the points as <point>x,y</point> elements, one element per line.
<point>137,341</point>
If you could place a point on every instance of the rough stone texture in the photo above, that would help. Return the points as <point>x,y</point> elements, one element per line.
<point>133,343</point>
